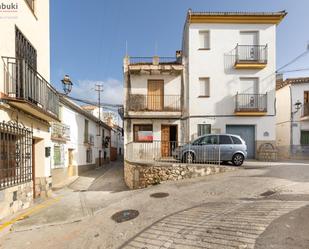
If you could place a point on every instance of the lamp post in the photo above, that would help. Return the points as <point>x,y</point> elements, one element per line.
<point>298,106</point>
<point>67,84</point>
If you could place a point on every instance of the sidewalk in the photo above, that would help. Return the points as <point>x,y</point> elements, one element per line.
<point>82,198</point>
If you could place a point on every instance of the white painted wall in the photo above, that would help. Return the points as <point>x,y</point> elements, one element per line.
<point>76,121</point>
<point>217,64</point>
<point>172,84</point>
<point>286,97</point>
<point>36,29</point>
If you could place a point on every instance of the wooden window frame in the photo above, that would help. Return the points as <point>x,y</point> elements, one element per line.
<point>135,138</point>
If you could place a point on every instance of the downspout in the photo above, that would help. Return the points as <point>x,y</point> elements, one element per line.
<point>292,120</point>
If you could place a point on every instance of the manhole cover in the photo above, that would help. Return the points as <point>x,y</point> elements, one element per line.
<point>268,193</point>
<point>125,215</point>
<point>159,195</point>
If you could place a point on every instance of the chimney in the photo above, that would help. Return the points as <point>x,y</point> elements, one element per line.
<point>279,80</point>
<point>179,56</point>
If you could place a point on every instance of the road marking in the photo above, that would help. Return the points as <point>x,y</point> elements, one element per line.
<point>24,215</point>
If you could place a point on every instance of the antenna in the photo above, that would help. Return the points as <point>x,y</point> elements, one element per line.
<point>126,48</point>
<point>156,48</point>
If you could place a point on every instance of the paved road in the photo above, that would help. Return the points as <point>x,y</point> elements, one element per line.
<point>260,206</point>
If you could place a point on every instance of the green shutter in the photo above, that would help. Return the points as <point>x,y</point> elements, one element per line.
<point>304,138</point>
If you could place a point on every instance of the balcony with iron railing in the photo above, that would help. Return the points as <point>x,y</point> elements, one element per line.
<point>89,139</point>
<point>250,104</point>
<point>250,56</point>
<point>25,88</point>
<point>60,131</point>
<point>154,103</point>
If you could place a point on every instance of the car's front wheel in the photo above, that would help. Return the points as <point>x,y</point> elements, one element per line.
<point>188,157</point>
<point>238,159</point>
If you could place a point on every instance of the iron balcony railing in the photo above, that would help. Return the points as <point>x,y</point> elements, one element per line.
<point>251,103</point>
<point>89,139</point>
<point>153,60</point>
<point>173,152</point>
<point>251,54</point>
<point>305,110</point>
<point>144,102</point>
<point>60,131</point>
<point>23,82</point>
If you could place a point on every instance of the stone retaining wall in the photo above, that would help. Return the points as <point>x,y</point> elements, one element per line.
<point>139,175</point>
<point>15,198</point>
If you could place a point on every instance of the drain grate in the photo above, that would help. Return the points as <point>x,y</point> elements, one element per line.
<point>125,215</point>
<point>159,195</point>
<point>268,193</point>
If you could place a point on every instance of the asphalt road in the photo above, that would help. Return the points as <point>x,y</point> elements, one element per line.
<point>259,206</point>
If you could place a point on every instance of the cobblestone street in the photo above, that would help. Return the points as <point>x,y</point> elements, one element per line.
<point>252,207</point>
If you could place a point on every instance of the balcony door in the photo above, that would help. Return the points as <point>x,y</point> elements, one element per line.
<point>155,95</point>
<point>249,50</point>
<point>248,99</point>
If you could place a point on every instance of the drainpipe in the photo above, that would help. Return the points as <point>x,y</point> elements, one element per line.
<point>292,120</point>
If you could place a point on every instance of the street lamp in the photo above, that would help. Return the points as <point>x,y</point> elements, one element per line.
<point>297,105</point>
<point>67,84</point>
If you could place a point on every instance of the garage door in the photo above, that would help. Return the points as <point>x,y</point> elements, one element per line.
<point>247,132</point>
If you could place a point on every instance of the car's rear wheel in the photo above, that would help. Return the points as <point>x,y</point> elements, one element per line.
<point>188,157</point>
<point>238,159</point>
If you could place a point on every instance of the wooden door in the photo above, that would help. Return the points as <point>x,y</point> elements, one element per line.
<point>70,157</point>
<point>165,140</point>
<point>155,100</point>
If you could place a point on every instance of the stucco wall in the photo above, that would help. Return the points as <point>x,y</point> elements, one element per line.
<point>172,84</point>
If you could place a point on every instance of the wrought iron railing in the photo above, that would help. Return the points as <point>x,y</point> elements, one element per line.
<point>251,103</point>
<point>251,54</point>
<point>150,60</point>
<point>89,139</point>
<point>144,102</point>
<point>22,82</point>
<point>173,152</point>
<point>15,154</point>
<point>60,131</point>
<point>305,110</point>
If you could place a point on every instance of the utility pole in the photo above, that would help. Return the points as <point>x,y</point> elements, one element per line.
<point>99,89</point>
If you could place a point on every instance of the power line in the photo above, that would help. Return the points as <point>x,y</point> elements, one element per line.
<point>294,60</point>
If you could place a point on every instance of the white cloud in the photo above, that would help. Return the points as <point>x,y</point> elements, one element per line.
<point>112,94</point>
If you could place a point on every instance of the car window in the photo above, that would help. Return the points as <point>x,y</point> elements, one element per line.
<point>212,139</point>
<point>224,139</point>
<point>197,141</point>
<point>236,140</point>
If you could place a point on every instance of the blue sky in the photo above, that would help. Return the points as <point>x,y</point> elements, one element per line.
<point>88,38</point>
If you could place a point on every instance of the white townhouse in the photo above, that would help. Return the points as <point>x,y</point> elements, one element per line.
<point>112,120</point>
<point>223,81</point>
<point>293,117</point>
<point>28,104</point>
<point>80,142</point>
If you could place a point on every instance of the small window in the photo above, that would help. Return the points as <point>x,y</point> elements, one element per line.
<point>143,133</point>
<point>86,131</point>
<point>224,139</point>
<point>204,87</point>
<point>204,39</point>
<point>89,156</point>
<point>236,140</point>
<point>203,129</point>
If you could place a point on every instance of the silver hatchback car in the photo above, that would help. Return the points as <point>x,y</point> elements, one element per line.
<point>213,148</point>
